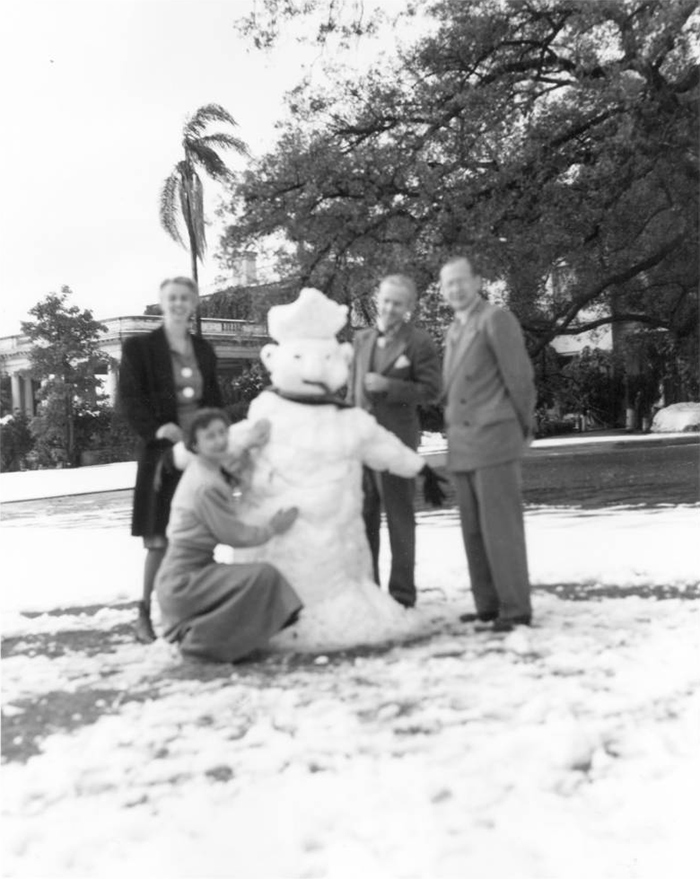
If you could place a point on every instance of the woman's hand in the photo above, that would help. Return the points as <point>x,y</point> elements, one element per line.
<point>259,433</point>
<point>283,520</point>
<point>169,431</point>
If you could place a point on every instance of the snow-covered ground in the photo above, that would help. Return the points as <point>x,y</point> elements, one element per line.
<point>36,484</point>
<point>568,750</point>
<point>677,417</point>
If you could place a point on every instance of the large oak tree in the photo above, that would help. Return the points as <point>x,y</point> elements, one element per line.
<point>554,139</point>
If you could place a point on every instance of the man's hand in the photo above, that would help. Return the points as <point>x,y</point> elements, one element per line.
<point>283,520</point>
<point>376,383</point>
<point>169,431</point>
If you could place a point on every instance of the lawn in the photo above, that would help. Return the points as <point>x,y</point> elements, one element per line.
<point>568,749</point>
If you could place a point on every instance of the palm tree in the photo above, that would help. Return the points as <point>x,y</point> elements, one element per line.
<point>181,198</point>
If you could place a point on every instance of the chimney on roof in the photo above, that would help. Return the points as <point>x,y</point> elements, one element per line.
<point>244,269</point>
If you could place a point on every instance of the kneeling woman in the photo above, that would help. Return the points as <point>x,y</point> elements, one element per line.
<point>216,611</point>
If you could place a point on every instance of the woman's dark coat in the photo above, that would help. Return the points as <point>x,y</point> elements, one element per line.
<point>147,399</point>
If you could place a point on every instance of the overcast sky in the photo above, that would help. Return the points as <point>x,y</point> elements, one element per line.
<point>95,95</point>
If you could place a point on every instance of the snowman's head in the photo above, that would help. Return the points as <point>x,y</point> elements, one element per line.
<point>307,359</point>
<point>308,366</point>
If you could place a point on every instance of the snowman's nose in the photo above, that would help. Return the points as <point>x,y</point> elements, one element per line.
<point>312,367</point>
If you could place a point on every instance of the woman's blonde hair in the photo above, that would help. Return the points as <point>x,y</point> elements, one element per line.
<point>183,281</point>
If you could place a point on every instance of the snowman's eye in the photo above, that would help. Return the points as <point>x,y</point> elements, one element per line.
<point>297,356</point>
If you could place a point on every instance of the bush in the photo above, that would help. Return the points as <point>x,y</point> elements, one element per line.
<point>105,432</point>
<point>101,435</point>
<point>16,442</point>
<point>239,393</point>
<point>547,425</point>
<point>590,386</point>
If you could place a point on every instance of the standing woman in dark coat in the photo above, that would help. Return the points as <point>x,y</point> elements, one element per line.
<point>165,377</point>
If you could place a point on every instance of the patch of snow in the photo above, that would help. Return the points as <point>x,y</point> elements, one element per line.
<point>27,485</point>
<point>568,749</point>
<point>677,418</point>
<point>512,759</point>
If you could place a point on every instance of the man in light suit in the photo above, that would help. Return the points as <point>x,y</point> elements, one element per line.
<point>396,367</point>
<point>490,399</point>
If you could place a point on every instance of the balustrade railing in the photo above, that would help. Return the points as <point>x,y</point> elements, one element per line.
<point>118,327</point>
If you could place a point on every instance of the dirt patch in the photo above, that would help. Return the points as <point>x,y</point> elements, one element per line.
<point>597,592</point>
<point>53,644</point>
<point>31,721</point>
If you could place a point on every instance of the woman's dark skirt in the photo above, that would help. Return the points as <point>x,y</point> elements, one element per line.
<point>156,481</point>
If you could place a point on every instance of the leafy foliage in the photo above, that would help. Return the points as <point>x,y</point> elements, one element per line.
<point>182,194</point>
<point>16,441</point>
<point>555,139</point>
<point>244,389</point>
<point>64,353</point>
<point>660,366</point>
<point>345,20</point>
<point>247,303</point>
<point>589,386</point>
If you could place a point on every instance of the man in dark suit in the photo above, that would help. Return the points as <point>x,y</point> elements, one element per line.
<point>490,399</point>
<point>395,368</point>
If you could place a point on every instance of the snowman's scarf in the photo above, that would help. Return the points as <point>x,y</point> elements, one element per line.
<point>312,399</point>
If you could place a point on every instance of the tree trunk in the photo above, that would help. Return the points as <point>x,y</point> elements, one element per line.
<point>198,310</point>
<point>192,236</point>
<point>70,432</point>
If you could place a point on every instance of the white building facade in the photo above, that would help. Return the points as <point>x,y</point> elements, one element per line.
<point>237,344</point>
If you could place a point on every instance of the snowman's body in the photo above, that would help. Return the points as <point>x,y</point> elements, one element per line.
<point>314,461</point>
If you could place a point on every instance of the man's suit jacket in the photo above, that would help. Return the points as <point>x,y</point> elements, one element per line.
<point>489,390</point>
<point>413,370</point>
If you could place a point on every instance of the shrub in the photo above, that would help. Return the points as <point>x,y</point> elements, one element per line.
<point>16,441</point>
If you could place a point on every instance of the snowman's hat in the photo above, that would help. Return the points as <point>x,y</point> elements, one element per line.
<point>311,316</point>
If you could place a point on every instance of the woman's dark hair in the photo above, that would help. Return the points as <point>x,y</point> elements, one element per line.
<point>202,420</point>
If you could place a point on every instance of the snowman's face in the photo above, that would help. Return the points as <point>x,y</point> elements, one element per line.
<point>308,366</point>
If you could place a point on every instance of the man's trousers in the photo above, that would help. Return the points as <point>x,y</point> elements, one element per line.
<point>396,495</point>
<point>491,512</point>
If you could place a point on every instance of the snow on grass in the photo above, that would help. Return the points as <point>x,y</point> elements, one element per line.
<point>566,750</point>
<point>63,567</point>
<point>569,749</point>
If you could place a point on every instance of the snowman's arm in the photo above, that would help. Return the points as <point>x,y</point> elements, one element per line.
<point>242,437</point>
<point>382,450</point>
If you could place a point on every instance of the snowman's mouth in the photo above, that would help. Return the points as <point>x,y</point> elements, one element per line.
<point>324,387</point>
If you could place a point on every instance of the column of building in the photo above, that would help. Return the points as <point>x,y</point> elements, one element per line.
<point>22,393</point>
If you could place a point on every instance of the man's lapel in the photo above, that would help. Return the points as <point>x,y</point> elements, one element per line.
<point>395,348</point>
<point>458,346</point>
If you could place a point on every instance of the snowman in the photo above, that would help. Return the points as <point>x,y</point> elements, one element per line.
<point>313,460</point>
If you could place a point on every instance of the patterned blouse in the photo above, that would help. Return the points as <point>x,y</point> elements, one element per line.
<point>189,386</point>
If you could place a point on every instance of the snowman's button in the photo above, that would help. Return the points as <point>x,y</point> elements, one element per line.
<point>186,372</point>
<point>188,392</point>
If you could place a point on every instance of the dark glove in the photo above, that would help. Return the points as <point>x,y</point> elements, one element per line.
<point>164,467</point>
<point>433,492</point>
